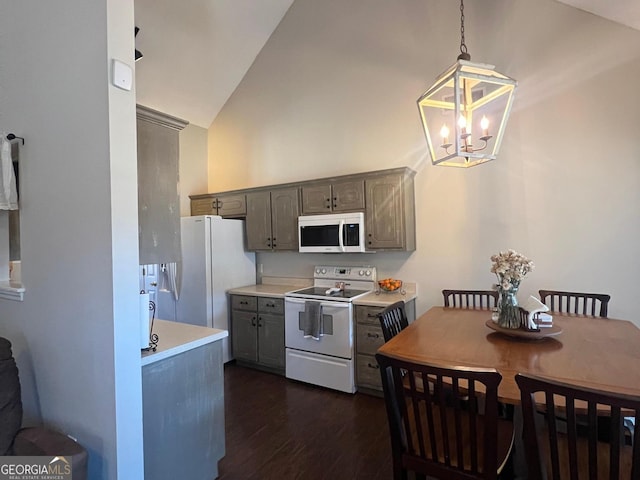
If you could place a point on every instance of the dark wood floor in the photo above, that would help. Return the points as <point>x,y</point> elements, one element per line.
<point>280,429</point>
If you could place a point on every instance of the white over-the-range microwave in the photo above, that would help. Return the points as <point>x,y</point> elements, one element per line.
<point>331,233</point>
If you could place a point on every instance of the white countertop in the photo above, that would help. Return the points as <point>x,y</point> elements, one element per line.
<point>175,338</point>
<point>382,299</point>
<point>264,290</point>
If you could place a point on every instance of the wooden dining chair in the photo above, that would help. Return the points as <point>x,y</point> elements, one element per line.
<point>594,304</point>
<point>481,299</point>
<point>561,449</point>
<point>393,319</point>
<point>436,436</point>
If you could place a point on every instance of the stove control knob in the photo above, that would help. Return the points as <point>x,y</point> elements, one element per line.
<point>361,272</point>
<point>324,270</point>
<point>317,271</point>
<point>368,273</point>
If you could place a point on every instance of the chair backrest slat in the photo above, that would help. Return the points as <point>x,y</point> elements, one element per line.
<point>393,319</point>
<point>477,299</point>
<point>435,424</point>
<point>576,454</point>
<point>594,304</point>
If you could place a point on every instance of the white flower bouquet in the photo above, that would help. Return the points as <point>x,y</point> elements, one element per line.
<point>510,267</point>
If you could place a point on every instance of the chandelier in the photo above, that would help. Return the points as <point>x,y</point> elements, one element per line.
<point>465,112</point>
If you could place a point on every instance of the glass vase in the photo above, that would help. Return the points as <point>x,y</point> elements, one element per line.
<point>508,310</point>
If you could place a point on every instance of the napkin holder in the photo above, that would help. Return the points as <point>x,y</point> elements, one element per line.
<point>533,315</point>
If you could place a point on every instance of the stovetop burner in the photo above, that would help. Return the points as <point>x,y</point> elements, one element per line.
<point>338,283</point>
<point>322,292</point>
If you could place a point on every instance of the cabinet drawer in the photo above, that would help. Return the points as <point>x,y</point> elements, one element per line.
<point>368,314</point>
<point>270,305</point>
<point>368,372</point>
<point>244,302</point>
<point>369,339</point>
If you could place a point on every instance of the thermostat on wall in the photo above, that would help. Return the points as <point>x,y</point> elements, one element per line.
<point>122,75</point>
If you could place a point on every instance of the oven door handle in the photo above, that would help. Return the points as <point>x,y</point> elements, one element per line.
<point>340,235</point>
<point>301,301</point>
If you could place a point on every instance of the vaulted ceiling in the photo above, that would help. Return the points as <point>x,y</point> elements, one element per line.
<point>196,52</point>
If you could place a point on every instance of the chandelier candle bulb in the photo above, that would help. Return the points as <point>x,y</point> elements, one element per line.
<point>484,124</point>
<point>462,123</point>
<point>444,132</point>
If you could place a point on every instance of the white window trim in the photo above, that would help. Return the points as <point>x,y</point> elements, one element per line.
<point>11,291</point>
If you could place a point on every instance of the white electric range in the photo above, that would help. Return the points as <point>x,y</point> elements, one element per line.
<point>328,359</point>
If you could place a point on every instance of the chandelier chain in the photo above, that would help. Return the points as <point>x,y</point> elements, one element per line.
<point>463,45</point>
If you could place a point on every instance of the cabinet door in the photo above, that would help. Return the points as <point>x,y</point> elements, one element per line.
<point>271,340</point>
<point>258,221</point>
<point>348,196</point>
<point>203,206</point>
<point>244,335</point>
<point>231,206</point>
<point>158,198</point>
<point>285,209</point>
<point>385,218</point>
<point>316,199</point>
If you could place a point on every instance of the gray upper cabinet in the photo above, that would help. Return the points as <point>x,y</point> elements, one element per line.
<point>225,205</point>
<point>158,196</point>
<point>390,213</point>
<point>272,219</point>
<point>386,197</point>
<point>338,196</point>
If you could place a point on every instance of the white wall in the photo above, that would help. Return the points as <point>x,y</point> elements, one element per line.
<point>75,335</point>
<point>192,166</point>
<point>334,90</point>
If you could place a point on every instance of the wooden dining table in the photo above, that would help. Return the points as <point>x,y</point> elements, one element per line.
<point>596,352</point>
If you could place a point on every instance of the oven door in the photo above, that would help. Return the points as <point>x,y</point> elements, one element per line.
<point>337,321</point>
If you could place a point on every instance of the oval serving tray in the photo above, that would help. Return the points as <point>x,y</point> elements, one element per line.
<point>525,334</point>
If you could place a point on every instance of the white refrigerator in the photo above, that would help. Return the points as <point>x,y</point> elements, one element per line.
<point>213,261</point>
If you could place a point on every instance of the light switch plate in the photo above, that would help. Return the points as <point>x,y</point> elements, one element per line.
<point>122,75</point>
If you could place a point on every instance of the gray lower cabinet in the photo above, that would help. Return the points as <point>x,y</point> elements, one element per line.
<point>272,219</point>
<point>183,410</point>
<point>257,331</point>
<point>369,339</point>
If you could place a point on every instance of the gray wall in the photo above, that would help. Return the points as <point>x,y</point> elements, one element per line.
<point>75,335</point>
<point>334,90</point>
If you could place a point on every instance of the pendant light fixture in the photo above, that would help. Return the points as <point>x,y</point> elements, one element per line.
<point>465,112</point>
